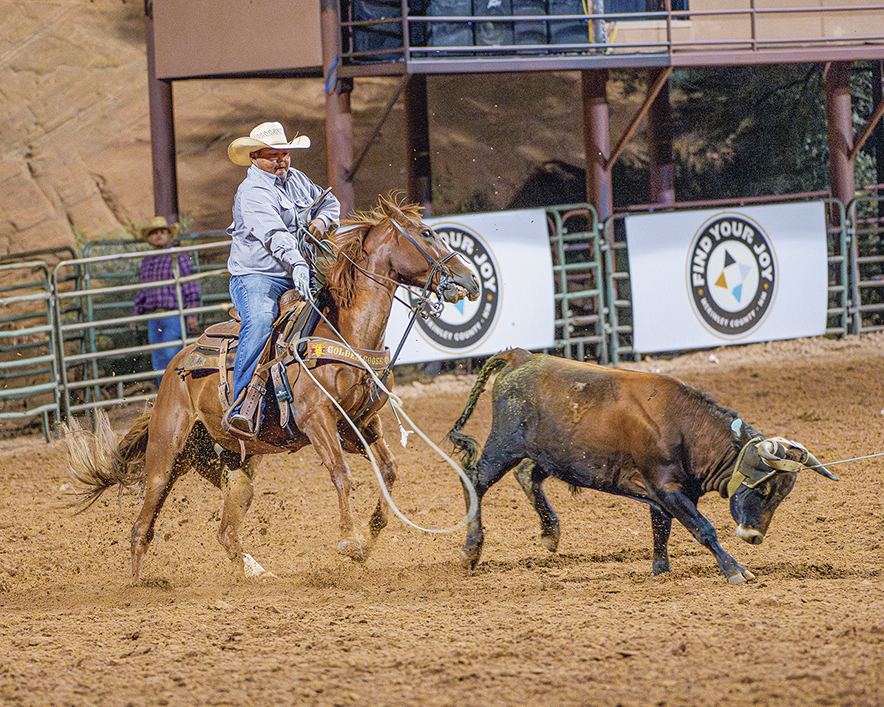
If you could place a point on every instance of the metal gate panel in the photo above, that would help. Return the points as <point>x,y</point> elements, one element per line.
<point>101,359</point>
<point>866,216</point>
<point>838,315</point>
<point>579,283</point>
<point>28,365</point>
<point>618,292</point>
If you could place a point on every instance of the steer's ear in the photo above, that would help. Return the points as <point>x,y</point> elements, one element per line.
<point>741,433</point>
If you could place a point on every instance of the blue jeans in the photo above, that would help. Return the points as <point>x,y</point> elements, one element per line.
<point>160,331</point>
<point>256,298</point>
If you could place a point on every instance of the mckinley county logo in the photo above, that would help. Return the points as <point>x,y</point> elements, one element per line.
<point>732,275</point>
<point>464,324</point>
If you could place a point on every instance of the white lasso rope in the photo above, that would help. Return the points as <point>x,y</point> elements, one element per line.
<point>395,403</point>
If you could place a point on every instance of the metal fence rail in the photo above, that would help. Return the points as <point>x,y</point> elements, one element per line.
<point>27,345</point>
<point>866,216</point>
<point>102,348</point>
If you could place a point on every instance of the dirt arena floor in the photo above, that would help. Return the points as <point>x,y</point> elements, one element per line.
<point>586,626</point>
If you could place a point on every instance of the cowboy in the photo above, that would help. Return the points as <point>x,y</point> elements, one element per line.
<point>266,255</point>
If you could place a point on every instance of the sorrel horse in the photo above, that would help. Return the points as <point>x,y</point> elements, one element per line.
<point>375,251</point>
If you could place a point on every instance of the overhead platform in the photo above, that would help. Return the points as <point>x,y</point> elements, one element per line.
<point>343,40</point>
<point>382,37</point>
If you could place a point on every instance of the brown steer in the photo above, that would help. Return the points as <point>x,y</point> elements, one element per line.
<point>642,435</point>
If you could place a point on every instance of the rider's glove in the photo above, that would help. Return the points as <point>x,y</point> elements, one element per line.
<point>317,228</point>
<point>301,280</point>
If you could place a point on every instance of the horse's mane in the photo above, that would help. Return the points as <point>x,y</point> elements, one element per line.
<point>347,242</point>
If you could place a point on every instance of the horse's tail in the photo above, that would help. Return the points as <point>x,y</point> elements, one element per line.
<point>96,462</point>
<point>465,443</point>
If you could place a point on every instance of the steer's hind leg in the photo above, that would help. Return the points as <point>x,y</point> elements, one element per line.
<point>530,477</point>
<point>491,467</point>
<point>661,526</point>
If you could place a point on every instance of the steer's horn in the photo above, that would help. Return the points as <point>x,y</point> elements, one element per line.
<point>773,451</point>
<point>812,463</point>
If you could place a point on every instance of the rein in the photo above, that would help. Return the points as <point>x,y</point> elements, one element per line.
<point>426,307</point>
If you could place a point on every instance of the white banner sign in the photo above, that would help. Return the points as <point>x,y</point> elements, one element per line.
<point>510,254</point>
<point>714,277</point>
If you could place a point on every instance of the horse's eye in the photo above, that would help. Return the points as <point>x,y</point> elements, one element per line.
<point>427,233</point>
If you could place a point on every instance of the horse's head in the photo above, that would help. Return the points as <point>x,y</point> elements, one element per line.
<point>419,257</point>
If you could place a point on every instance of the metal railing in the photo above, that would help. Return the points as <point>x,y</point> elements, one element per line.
<point>432,36</point>
<point>103,356</point>
<point>580,313</point>
<point>866,218</point>
<point>27,346</point>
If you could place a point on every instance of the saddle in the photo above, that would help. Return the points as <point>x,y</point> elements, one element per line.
<point>215,351</point>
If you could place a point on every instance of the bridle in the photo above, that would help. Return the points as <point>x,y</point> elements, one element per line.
<point>426,308</point>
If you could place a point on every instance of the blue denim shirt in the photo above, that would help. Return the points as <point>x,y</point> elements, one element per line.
<point>265,212</point>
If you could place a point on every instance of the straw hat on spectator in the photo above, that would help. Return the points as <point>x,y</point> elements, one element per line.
<point>155,224</point>
<point>270,135</point>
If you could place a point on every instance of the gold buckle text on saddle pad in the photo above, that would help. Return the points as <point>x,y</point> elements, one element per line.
<point>330,351</point>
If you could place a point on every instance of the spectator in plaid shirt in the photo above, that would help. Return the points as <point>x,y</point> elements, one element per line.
<point>156,268</point>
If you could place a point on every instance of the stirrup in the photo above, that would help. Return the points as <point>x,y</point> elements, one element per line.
<point>238,425</point>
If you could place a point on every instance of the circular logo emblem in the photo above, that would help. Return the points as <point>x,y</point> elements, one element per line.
<point>732,275</point>
<point>464,325</point>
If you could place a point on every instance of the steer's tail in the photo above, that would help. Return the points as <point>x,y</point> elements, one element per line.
<point>98,462</point>
<point>464,443</point>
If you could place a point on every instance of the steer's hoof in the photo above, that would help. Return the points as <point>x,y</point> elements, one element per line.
<point>550,542</point>
<point>743,576</point>
<point>354,550</point>
<point>469,560</point>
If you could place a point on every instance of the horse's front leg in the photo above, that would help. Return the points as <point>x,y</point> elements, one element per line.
<point>321,428</point>
<point>387,465</point>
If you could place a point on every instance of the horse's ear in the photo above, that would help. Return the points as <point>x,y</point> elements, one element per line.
<point>391,210</point>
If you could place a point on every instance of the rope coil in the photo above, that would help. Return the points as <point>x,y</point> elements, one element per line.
<point>396,406</point>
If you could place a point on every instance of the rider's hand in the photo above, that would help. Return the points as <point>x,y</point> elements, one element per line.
<point>317,228</point>
<point>301,280</point>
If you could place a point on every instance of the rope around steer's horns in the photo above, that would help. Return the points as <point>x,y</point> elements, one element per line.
<point>767,451</point>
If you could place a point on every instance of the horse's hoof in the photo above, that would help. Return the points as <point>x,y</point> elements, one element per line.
<point>252,569</point>
<point>352,549</point>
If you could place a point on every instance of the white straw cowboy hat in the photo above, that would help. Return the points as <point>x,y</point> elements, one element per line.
<point>269,135</point>
<point>157,223</point>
